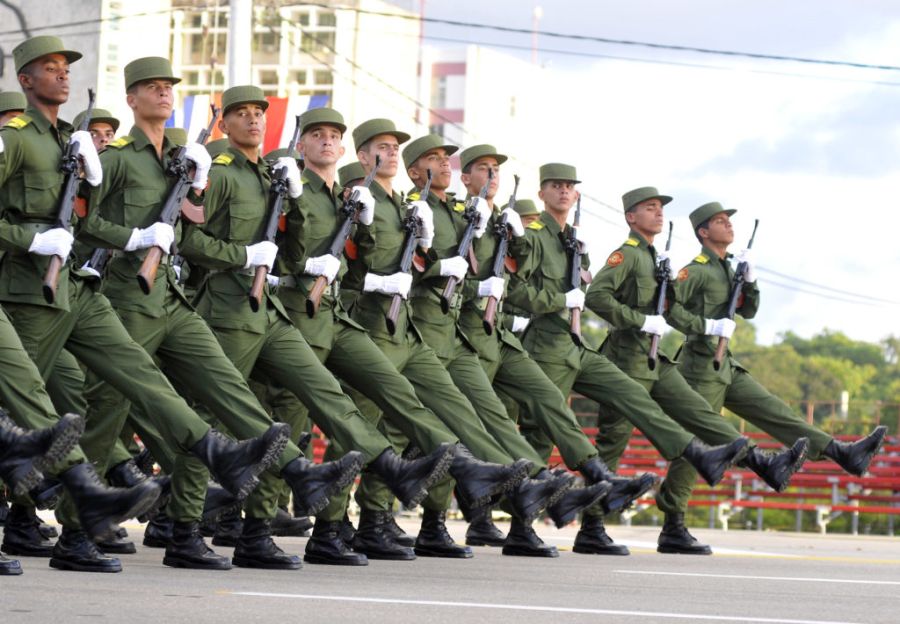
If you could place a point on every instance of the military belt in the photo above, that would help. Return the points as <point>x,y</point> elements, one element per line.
<point>140,254</point>
<point>251,271</point>
<point>426,292</point>
<point>34,226</point>
<point>305,283</point>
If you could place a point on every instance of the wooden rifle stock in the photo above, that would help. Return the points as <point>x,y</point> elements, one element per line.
<point>739,274</point>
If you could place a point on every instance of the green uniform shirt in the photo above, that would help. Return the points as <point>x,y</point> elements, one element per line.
<point>703,289</point>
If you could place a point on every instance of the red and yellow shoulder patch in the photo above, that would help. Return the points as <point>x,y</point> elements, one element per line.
<point>682,274</point>
<point>615,259</point>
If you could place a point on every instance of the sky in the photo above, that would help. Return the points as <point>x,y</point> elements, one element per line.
<point>811,151</point>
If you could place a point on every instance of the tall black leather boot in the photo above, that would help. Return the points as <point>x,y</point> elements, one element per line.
<point>24,455</point>
<point>158,533</point>
<point>410,480</point>
<point>776,469</point>
<point>434,540</point>
<point>228,528</point>
<point>286,525</point>
<point>676,539</point>
<point>22,537</point>
<point>712,462</point>
<point>483,532</point>
<point>532,496</point>
<point>9,567</point>
<point>575,500</point>
<point>400,536</point>
<point>374,539</point>
<point>313,485</point>
<point>479,481</point>
<point>127,474</point>
<point>855,457</point>
<point>77,552</point>
<point>256,549</point>
<point>522,541</point>
<point>188,550</point>
<point>624,491</point>
<point>328,548</point>
<point>592,539</point>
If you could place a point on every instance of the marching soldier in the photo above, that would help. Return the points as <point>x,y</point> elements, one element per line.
<point>12,104</point>
<point>102,126</point>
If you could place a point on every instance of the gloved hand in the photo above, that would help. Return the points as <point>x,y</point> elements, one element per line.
<point>327,266</point>
<point>198,155</point>
<point>292,175</point>
<point>723,327</point>
<point>654,324</point>
<point>93,172</point>
<point>520,323</point>
<point>272,280</point>
<point>426,231</point>
<point>575,298</point>
<point>55,242</point>
<point>483,213</point>
<point>456,267</point>
<point>177,269</point>
<point>1,145</point>
<point>367,211</point>
<point>746,255</point>
<point>394,284</point>
<point>159,234</point>
<point>514,221</point>
<point>662,256</point>
<point>491,287</point>
<point>261,254</point>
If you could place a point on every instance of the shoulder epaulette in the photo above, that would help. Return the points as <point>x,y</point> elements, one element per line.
<point>459,207</point>
<point>223,159</point>
<point>701,259</point>
<point>535,225</point>
<point>414,196</point>
<point>121,142</point>
<point>632,242</point>
<point>17,123</point>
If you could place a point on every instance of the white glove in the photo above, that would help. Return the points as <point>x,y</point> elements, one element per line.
<point>292,175</point>
<point>1,145</point>
<point>746,255</point>
<point>491,287</point>
<point>198,155</point>
<point>654,324</point>
<point>87,268</point>
<point>55,242</point>
<point>159,234</point>
<point>662,256</point>
<point>483,215</point>
<point>367,212</point>
<point>394,284</point>
<point>93,172</point>
<point>327,266</point>
<point>575,298</point>
<point>454,267</point>
<point>272,280</point>
<point>520,323</point>
<point>177,269</point>
<point>261,254</point>
<point>514,221</point>
<point>426,232</point>
<point>723,327</point>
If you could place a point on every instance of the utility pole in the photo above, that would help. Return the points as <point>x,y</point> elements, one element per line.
<point>240,42</point>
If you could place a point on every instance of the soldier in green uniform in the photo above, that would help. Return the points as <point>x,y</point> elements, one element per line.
<point>541,287</point>
<point>12,104</point>
<point>80,319</point>
<point>624,293</point>
<point>703,289</point>
<point>102,126</point>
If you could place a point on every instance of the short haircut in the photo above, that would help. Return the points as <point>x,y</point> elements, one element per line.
<point>705,226</point>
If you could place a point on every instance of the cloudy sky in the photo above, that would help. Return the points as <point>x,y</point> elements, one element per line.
<point>811,150</point>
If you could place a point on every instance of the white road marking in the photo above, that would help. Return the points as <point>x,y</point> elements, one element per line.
<point>511,607</point>
<point>799,579</point>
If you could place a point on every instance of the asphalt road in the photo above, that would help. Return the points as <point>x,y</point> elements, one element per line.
<point>753,577</point>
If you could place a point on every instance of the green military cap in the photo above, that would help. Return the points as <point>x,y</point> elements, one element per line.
<point>217,147</point>
<point>320,116</point>
<point>471,154</point>
<point>525,208</point>
<point>244,94</point>
<point>373,128</point>
<point>11,101</point>
<point>633,198</point>
<point>149,68</point>
<point>178,136</point>
<point>558,171</point>
<point>351,172</point>
<point>98,115</point>
<point>423,145</point>
<point>706,211</point>
<point>36,47</point>
<point>275,154</point>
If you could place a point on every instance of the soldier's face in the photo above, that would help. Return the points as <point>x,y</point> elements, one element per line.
<point>439,162</point>
<point>322,146</point>
<point>4,117</point>
<point>152,99</point>
<point>102,133</point>
<point>647,217</point>
<point>386,147</point>
<point>47,79</point>
<point>720,231</point>
<point>558,195</point>
<point>477,177</point>
<point>245,125</point>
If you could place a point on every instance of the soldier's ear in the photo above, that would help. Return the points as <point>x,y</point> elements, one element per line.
<point>223,127</point>
<point>341,152</point>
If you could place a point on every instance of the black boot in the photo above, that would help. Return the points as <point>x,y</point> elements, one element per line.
<point>188,550</point>
<point>285,525</point>
<point>592,539</point>
<point>100,507</point>
<point>237,465</point>
<point>9,567</point>
<point>4,505</point>
<point>479,481</point>
<point>121,532</point>
<point>75,551</point>
<point>374,539</point>
<point>46,494</point>
<point>400,536</point>
<point>229,528</point>
<point>675,538</point>
<point>256,549</point>
<point>532,496</point>
<point>313,485</point>
<point>712,462</point>
<point>24,455</point>
<point>22,536</point>
<point>434,540</point>
<point>483,532</point>
<point>854,457</point>
<point>49,532</point>
<point>348,531</point>
<point>522,541</point>
<point>158,533</point>
<point>776,469</point>
<point>575,500</point>
<point>326,546</point>
<point>116,546</point>
<point>624,491</point>
<point>410,480</point>
<point>126,474</point>
<point>218,502</point>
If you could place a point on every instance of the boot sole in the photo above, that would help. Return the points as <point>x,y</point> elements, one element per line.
<point>156,543</point>
<point>862,469</point>
<point>622,551</point>
<point>27,482</point>
<point>62,564</point>
<point>475,541</point>
<point>10,567</point>
<point>486,494</point>
<point>241,562</point>
<point>791,471</point>
<point>384,557</point>
<point>617,504</point>
<point>63,443</point>
<point>424,552</point>
<point>669,550</point>
<point>12,549</point>
<point>273,451</point>
<point>437,474</point>
<point>340,561</point>
<point>522,552</point>
<point>174,562</point>
<point>321,499</point>
<point>573,513</point>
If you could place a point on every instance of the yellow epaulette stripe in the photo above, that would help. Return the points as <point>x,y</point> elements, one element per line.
<point>701,259</point>
<point>535,225</point>
<point>459,207</point>
<point>223,159</point>
<point>632,242</point>
<point>17,123</point>
<point>121,142</point>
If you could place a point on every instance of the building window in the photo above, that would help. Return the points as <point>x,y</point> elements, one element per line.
<point>297,76</point>
<point>437,129</point>
<point>268,77</point>
<point>323,77</point>
<point>266,42</point>
<point>327,19</point>
<point>439,92</point>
